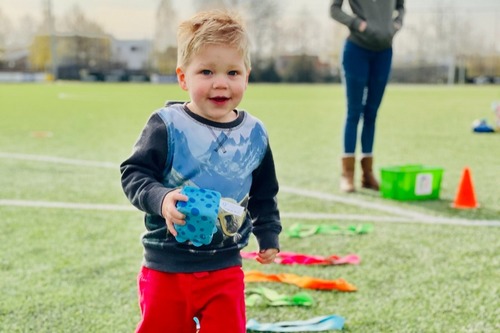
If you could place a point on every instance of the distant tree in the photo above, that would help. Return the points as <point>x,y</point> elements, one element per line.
<point>261,19</point>
<point>47,24</point>
<point>263,23</point>
<point>5,31</point>
<point>165,26</point>
<point>300,34</point>
<point>213,4</point>
<point>39,55</point>
<point>89,45</point>
<point>301,69</point>
<point>455,39</point>
<point>84,43</point>
<point>75,22</point>
<point>25,31</point>
<point>166,60</point>
<point>164,44</point>
<point>265,72</point>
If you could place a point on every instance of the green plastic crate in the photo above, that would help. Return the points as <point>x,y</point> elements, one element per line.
<point>411,182</point>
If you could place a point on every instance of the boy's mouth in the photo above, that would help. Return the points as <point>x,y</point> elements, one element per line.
<point>219,99</point>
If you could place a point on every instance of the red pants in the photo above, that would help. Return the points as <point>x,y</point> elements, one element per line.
<point>169,301</point>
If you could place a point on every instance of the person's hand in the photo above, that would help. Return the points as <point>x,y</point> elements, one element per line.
<point>362,26</point>
<point>169,211</point>
<point>267,256</point>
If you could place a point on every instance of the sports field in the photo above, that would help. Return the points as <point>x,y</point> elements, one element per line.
<point>69,239</point>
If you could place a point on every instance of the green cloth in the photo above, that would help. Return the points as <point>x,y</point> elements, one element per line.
<point>300,230</point>
<point>269,297</point>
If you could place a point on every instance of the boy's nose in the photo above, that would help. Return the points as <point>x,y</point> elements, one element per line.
<point>219,82</point>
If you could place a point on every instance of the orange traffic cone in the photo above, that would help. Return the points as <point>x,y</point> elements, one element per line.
<point>466,197</point>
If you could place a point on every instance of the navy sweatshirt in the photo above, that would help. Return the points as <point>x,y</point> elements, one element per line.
<point>179,148</point>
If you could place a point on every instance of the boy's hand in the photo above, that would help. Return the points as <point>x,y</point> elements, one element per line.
<point>362,26</point>
<point>169,211</point>
<point>267,256</point>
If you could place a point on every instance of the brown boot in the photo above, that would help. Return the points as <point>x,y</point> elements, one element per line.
<point>368,179</point>
<point>347,179</point>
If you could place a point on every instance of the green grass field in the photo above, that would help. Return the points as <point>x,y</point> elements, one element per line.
<point>69,242</point>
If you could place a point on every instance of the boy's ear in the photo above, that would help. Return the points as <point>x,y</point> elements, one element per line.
<point>181,78</point>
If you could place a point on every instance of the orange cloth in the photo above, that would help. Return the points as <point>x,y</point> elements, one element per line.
<point>301,281</point>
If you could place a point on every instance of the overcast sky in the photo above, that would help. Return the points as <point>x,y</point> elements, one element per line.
<point>134,19</point>
<point>131,19</point>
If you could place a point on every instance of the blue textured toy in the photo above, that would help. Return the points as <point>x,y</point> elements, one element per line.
<point>201,212</point>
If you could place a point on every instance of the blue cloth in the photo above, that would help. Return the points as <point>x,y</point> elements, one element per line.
<point>317,324</point>
<point>366,74</point>
<point>483,127</point>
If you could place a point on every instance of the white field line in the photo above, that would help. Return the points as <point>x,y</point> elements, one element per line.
<point>292,216</point>
<point>65,205</point>
<point>406,215</point>
<point>353,202</point>
<point>402,215</point>
<point>347,217</point>
<point>58,160</point>
<point>389,219</point>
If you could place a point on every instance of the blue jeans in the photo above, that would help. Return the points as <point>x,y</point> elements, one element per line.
<point>365,75</point>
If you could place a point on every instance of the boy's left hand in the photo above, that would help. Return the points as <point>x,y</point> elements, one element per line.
<point>267,256</point>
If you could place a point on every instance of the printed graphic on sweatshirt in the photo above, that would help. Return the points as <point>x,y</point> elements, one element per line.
<point>229,222</point>
<point>220,159</point>
<point>210,157</point>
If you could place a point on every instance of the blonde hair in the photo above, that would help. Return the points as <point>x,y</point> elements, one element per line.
<point>213,27</point>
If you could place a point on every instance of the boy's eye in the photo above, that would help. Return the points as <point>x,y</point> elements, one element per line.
<point>206,72</point>
<point>232,73</point>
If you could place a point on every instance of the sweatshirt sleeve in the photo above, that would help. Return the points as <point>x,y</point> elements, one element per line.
<point>336,12</point>
<point>263,204</point>
<point>142,172</point>
<point>400,8</point>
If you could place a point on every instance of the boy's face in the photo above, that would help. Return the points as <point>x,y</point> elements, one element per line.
<point>216,79</point>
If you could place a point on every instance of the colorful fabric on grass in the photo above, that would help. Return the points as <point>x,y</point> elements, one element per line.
<point>269,297</point>
<point>291,258</point>
<point>300,230</point>
<point>317,324</point>
<point>306,282</point>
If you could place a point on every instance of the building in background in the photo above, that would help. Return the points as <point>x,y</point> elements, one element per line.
<point>133,58</point>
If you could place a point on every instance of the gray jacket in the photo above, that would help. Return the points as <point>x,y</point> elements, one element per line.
<point>378,14</point>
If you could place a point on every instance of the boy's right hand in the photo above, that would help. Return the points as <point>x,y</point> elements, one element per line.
<point>169,211</point>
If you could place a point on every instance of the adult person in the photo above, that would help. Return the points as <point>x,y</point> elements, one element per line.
<point>366,65</point>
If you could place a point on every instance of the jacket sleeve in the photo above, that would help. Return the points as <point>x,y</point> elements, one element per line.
<point>336,12</point>
<point>400,8</point>
<point>142,172</point>
<point>263,204</point>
